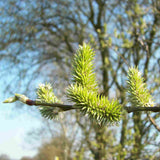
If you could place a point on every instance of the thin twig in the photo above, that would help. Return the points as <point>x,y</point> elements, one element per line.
<point>153,122</point>
<point>66,107</point>
<point>139,109</point>
<point>26,100</point>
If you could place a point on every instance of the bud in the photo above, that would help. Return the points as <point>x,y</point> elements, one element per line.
<point>10,100</point>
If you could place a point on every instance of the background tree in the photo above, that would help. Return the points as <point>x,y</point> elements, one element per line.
<point>4,157</point>
<point>26,158</point>
<point>55,148</point>
<point>126,34</point>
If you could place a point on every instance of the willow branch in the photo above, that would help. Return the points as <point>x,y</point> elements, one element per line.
<point>139,109</point>
<point>66,107</point>
<point>26,100</point>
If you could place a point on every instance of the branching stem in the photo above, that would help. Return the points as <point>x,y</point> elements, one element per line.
<point>138,109</point>
<point>26,100</point>
<point>66,107</point>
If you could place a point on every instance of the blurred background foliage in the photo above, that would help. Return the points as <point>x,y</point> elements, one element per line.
<point>37,41</point>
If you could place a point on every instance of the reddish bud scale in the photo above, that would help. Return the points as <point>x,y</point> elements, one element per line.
<point>30,102</point>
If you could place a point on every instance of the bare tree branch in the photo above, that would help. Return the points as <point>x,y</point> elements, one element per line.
<point>153,122</point>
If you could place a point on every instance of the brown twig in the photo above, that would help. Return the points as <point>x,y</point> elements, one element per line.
<point>66,107</point>
<point>139,109</point>
<point>153,122</point>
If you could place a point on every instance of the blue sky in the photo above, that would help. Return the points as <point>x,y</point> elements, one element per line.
<point>13,130</point>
